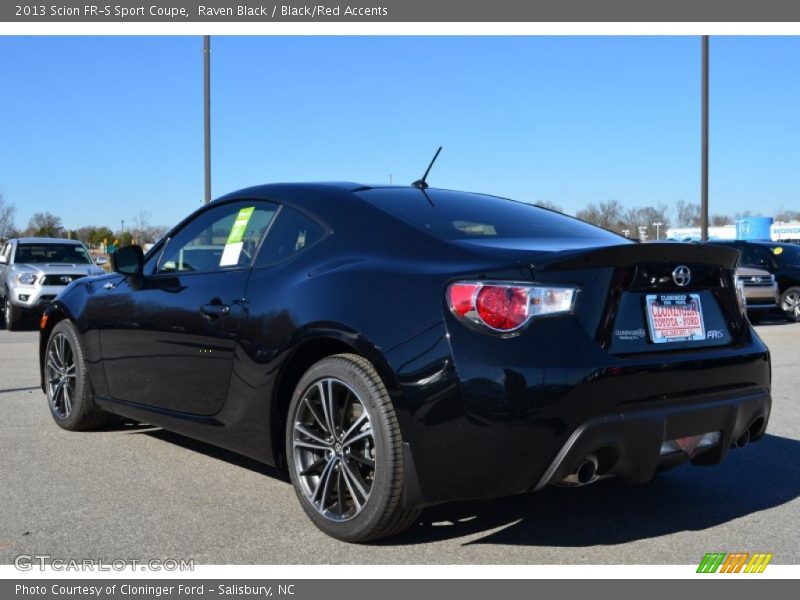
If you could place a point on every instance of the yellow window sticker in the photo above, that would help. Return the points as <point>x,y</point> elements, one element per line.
<point>234,244</point>
<point>777,250</point>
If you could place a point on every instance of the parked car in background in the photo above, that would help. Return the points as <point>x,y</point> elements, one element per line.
<point>780,259</point>
<point>34,270</point>
<point>396,347</point>
<point>760,291</point>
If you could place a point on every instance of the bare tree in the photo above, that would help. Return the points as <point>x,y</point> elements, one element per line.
<point>785,216</point>
<point>7,212</point>
<point>719,220</point>
<point>45,224</point>
<point>548,205</point>
<point>141,226</point>
<point>687,213</point>
<point>608,215</point>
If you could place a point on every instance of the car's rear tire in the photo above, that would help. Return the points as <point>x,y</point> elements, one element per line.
<point>345,452</point>
<point>790,304</point>
<point>12,316</point>
<point>69,391</point>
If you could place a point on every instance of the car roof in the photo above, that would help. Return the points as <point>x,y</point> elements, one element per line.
<point>47,240</point>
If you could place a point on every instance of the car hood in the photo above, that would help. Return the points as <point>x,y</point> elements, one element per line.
<point>59,268</point>
<point>752,272</point>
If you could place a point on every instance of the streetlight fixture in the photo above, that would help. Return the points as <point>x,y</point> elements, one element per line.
<point>658,225</point>
<point>626,232</point>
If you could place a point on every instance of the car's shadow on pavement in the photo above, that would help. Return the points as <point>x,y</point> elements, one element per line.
<point>759,477</point>
<point>213,451</point>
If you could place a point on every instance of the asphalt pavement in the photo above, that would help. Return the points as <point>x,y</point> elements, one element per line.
<point>137,492</point>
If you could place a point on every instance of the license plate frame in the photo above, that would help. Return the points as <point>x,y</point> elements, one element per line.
<point>680,320</point>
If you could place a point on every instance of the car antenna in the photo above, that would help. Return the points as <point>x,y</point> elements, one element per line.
<point>421,184</point>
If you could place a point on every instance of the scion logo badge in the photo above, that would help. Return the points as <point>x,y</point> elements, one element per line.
<point>65,279</point>
<point>734,562</point>
<point>682,276</point>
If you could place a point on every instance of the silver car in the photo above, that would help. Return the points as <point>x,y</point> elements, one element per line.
<point>34,270</point>
<point>760,291</point>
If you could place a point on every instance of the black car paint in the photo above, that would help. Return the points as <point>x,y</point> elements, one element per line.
<point>482,416</point>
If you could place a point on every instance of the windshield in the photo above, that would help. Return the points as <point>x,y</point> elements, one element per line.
<point>52,253</point>
<point>786,255</point>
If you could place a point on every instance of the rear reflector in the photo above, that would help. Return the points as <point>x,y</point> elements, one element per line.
<point>505,307</point>
<point>691,444</point>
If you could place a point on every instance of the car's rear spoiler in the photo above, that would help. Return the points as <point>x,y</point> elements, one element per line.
<point>630,254</point>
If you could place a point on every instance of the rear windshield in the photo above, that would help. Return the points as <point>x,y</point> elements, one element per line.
<point>460,215</point>
<point>52,253</point>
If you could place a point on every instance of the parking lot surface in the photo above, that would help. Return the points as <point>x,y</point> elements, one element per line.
<point>137,492</point>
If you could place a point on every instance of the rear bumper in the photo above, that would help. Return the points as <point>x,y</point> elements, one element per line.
<point>507,416</point>
<point>628,443</point>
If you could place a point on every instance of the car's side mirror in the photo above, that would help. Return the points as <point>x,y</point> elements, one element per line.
<point>100,261</point>
<point>128,260</point>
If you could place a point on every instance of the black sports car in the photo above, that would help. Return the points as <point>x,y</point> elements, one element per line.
<point>398,347</point>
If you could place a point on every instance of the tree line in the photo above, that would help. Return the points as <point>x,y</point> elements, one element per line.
<point>46,224</point>
<point>652,222</point>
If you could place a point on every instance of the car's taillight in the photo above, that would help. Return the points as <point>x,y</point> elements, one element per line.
<point>505,307</point>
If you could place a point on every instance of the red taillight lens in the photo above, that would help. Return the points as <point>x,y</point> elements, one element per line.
<point>503,308</point>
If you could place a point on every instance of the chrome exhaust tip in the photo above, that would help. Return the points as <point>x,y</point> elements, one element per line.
<point>584,474</point>
<point>742,440</point>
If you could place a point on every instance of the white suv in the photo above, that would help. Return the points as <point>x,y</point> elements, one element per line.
<point>34,270</point>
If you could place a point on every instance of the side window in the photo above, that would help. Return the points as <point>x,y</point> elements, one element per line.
<point>221,238</point>
<point>291,233</point>
<point>755,256</point>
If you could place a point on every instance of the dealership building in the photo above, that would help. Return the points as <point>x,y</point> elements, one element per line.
<point>748,228</point>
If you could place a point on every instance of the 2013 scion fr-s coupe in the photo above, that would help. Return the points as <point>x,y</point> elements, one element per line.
<point>398,347</point>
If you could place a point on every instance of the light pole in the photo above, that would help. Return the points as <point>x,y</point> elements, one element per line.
<point>642,232</point>
<point>658,225</point>
<point>704,161</point>
<point>626,232</point>
<point>207,114</point>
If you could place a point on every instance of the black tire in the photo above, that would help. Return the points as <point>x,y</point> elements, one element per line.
<point>75,411</point>
<point>381,512</point>
<point>789,304</point>
<point>13,316</point>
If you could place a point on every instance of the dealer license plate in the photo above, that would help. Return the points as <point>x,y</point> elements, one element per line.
<point>675,318</point>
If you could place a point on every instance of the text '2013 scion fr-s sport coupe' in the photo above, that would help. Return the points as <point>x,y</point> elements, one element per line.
<point>398,347</point>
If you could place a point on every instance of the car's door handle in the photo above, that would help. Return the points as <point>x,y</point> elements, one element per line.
<point>213,312</point>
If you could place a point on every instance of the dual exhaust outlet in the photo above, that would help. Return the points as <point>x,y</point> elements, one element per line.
<point>586,471</point>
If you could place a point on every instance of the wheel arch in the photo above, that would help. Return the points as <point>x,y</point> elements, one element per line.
<point>313,348</point>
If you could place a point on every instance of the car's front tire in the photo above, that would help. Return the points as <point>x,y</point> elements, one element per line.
<point>69,391</point>
<point>345,452</point>
<point>12,316</point>
<point>790,303</point>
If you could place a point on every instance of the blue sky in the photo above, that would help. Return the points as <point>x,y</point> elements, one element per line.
<point>97,129</point>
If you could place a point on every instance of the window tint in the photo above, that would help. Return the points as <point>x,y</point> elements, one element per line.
<point>291,233</point>
<point>460,215</point>
<point>756,256</point>
<point>786,255</point>
<point>52,253</point>
<point>223,237</point>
